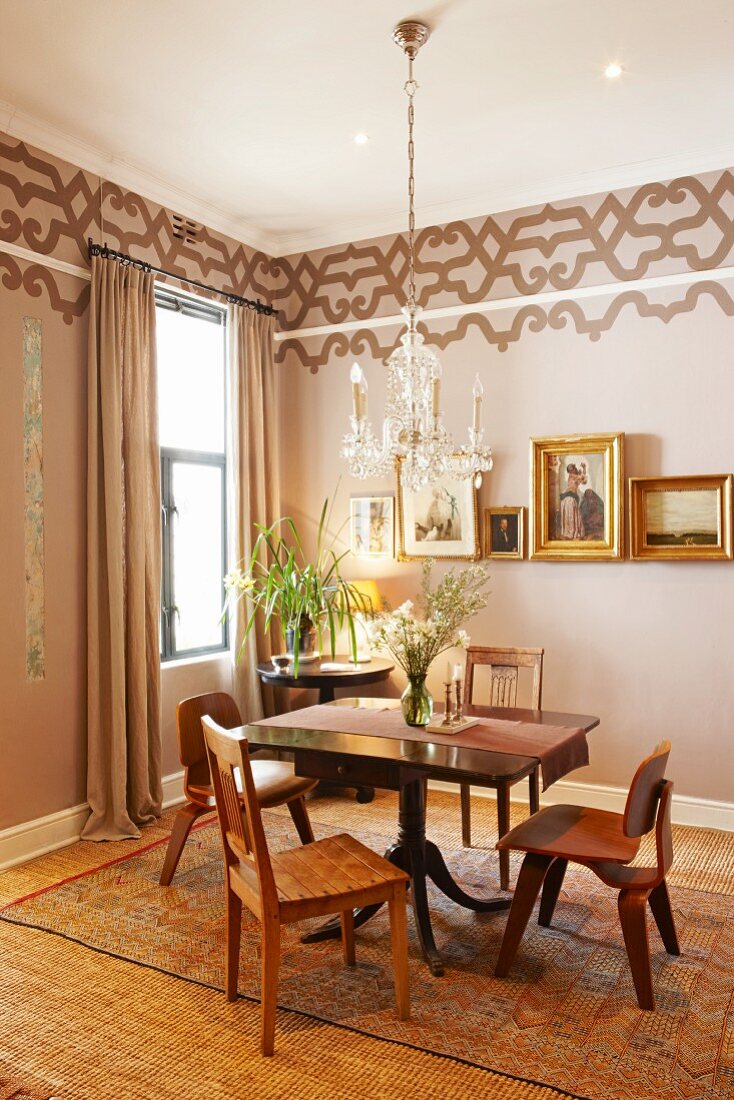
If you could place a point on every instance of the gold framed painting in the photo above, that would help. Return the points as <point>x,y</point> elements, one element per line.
<point>681,518</point>
<point>371,526</point>
<point>577,495</point>
<point>503,532</point>
<point>440,520</point>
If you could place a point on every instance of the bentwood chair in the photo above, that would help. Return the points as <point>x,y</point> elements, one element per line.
<point>606,843</point>
<point>504,666</point>
<point>328,876</point>
<point>275,781</point>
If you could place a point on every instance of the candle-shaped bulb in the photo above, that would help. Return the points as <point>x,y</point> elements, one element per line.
<point>356,377</point>
<point>478,391</point>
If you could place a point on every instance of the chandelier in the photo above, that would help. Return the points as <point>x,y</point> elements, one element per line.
<point>412,430</point>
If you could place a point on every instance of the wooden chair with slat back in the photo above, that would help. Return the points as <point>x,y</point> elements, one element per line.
<point>329,876</point>
<point>504,667</point>
<point>607,843</point>
<point>276,783</point>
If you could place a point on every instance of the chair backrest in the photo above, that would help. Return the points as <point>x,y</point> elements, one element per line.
<point>191,746</point>
<point>645,790</point>
<point>663,831</point>
<point>504,665</point>
<point>243,835</point>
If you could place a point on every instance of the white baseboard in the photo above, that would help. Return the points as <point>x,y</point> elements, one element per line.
<point>701,812</point>
<point>31,839</point>
<point>36,838</point>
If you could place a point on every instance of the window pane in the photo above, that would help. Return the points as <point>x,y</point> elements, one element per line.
<point>197,555</point>
<point>190,382</point>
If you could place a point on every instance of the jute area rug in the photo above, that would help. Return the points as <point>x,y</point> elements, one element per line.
<point>567,1017</point>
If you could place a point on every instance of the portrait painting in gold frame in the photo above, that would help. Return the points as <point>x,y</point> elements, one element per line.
<point>503,532</point>
<point>681,518</point>
<point>438,521</point>
<point>577,492</point>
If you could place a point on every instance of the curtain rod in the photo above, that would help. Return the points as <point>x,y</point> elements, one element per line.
<point>108,253</point>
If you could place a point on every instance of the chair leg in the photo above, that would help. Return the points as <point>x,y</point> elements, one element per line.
<point>465,790</point>
<point>632,905</point>
<point>503,826</point>
<point>234,932</point>
<point>269,983</point>
<point>660,904</point>
<point>347,922</point>
<point>551,890</point>
<point>399,941</point>
<point>534,784</point>
<point>301,820</point>
<point>529,882</point>
<point>182,823</point>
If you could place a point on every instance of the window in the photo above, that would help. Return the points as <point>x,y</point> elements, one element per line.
<point>191,343</point>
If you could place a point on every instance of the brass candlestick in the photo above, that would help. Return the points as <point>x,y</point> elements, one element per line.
<point>448,718</point>
<point>458,716</point>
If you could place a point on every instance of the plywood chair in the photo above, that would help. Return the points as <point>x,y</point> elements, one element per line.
<point>329,876</point>
<point>504,666</point>
<point>275,781</point>
<point>607,843</point>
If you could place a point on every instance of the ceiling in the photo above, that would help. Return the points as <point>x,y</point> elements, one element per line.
<point>242,112</point>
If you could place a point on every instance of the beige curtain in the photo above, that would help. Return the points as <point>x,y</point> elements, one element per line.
<point>123,556</point>
<point>253,480</point>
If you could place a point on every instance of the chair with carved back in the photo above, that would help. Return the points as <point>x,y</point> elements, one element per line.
<point>504,665</point>
<point>606,843</point>
<point>328,876</point>
<point>275,781</point>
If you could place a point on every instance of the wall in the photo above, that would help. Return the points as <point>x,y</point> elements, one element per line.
<point>646,646</point>
<point>52,207</point>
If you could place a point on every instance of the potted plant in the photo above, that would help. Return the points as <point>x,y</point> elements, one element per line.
<point>307,596</point>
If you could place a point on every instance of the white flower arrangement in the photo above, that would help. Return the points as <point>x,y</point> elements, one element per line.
<point>416,642</point>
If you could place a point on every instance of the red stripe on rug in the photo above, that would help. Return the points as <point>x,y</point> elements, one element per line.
<point>98,867</point>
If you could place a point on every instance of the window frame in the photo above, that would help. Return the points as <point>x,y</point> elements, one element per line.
<point>202,309</point>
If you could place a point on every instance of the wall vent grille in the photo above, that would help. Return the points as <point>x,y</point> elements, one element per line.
<point>185,230</point>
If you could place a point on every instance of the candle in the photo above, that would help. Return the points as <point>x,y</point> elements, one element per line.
<point>457,672</point>
<point>356,377</point>
<point>435,385</point>
<point>449,672</point>
<point>363,396</point>
<point>478,392</point>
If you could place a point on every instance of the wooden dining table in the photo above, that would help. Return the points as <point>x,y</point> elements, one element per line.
<point>404,765</point>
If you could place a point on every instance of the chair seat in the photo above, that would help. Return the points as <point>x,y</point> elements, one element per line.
<point>275,782</point>
<point>338,865</point>
<point>575,833</point>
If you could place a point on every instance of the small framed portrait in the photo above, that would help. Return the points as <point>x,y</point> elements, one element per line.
<point>681,518</point>
<point>372,526</point>
<point>503,532</point>
<point>440,520</point>
<point>577,494</point>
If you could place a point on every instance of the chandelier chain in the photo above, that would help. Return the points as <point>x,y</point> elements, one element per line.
<point>410,88</point>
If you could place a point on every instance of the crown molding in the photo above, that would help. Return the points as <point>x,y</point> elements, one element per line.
<point>503,200</point>
<point>28,128</point>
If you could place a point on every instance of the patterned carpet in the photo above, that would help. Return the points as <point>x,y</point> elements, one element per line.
<point>566,1018</point>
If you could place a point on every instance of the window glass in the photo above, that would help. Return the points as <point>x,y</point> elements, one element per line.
<point>190,382</point>
<point>198,554</point>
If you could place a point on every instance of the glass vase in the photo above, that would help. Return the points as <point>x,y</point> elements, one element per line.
<point>417,702</point>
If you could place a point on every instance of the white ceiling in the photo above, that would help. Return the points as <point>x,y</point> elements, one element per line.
<point>242,112</point>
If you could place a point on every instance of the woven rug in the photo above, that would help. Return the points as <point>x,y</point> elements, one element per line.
<point>566,1017</point>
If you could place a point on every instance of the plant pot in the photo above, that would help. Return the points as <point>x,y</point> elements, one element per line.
<point>306,641</point>
<point>416,702</point>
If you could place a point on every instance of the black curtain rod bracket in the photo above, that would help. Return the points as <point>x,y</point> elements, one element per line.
<point>108,253</point>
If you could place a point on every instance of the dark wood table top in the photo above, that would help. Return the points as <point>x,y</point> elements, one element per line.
<point>311,675</point>
<point>423,756</point>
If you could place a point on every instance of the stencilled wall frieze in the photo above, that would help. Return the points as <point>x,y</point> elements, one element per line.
<point>53,208</point>
<point>656,230</point>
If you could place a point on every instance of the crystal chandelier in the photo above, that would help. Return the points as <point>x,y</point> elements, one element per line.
<point>413,428</point>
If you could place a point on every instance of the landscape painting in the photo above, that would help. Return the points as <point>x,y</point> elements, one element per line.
<point>681,518</point>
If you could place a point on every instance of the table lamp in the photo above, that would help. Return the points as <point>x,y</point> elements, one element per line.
<point>370,594</point>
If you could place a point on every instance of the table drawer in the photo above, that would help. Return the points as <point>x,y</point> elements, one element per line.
<point>352,771</point>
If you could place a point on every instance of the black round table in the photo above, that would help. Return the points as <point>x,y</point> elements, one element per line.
<point>311,675</point>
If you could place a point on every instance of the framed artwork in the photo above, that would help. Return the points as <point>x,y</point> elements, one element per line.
<point>372,526</point>
<point>577,496</point>
<point>681,518</point>
<point>439,521</point>
<point>503,532</point>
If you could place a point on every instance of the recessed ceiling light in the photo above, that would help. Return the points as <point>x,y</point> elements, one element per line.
<point>613,70</point>
<point>361,139</point>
